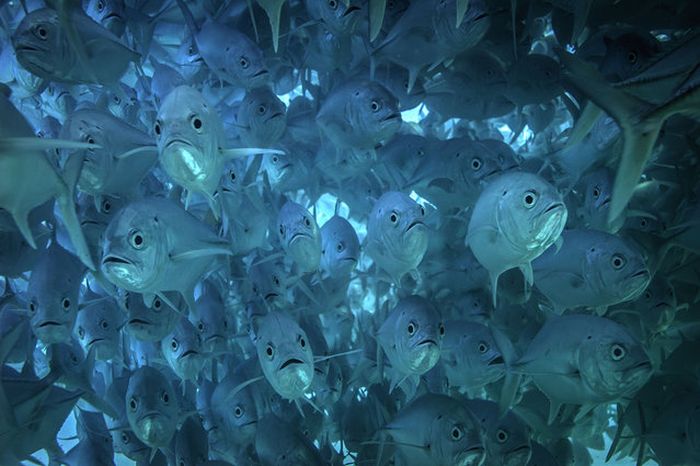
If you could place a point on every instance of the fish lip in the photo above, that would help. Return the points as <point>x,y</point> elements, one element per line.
<point>414,224</point>
<point>94,340</point>
<point>496,360</point>
<point>556,205</point>
<point>138,321</point>
<point>392,116</point>
<point>300,234</point>
<point>114,259</point>
<point>289,362</point>
<point>350,9</point>
<point>641,273</point>
<point>271,295</point>
<point>189,353</point>
<point>49,323</point>
<point>149,415</point>
<point>605,202</point>
<point>176,140</point>
<point>663,304</point>
<point>215,336</point>
<point>261,73</point>
<point>645,364</point>
<point>275,115</point>
<point>28,48</point>
<point>427,341</point>
<point>352,259</point>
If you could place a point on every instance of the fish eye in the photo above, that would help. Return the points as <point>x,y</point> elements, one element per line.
<point>106,206</point>
<point>225,323</point>
<point>647,295</point>
<point>65,303</point>
<point>376,106</point>
<point>596,192</point>
<point>81,332</point>
<point>282,229</point>
<point>165,397</point>
<point>422,211</point>
<point>125,437</point>
<point>243,61</point>
<point>394,217</point>
<point>100,6</point>
<point>270,351</point>
<point>133,404</point>
<point>483,347</point>
<point>501,436</point>
<point>200,326</point>
<point>104,324</point>
<point>261,109</point>
<point>411,328</point>
<point>41,32</point>
<point>276,280</point>
<point>643,223</point>
<point>456,433</point>
<point>530,199</point>
<point>117,99</point>
<point>302,342</point>
<point>157,304</point>
<point>196,123</point>
<point>156,128</point>
<point>442,329</point>
<point>174,345</point>
<point>232,175</point>
<point>339,247</point>
<point>333,4</point>
<point>618,261</point>
<point>136,239</point>
<point>238,412</point>
<point>190,50</point>
<point>617,352</point>
<point>632,57</point>
<point>476,163</point>
<point>32,307</point>
<point>89,139</point>
<point>307,222</point>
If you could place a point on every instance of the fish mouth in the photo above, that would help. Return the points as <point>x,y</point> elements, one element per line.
<point>261,73</point>
<point>663,304</point>
<point>172,142</point>
<point>271,296</point>
<point>289,362</point>
<point>413,224</point>
<point>150,415</point>
<point>554,206</point>
<point>215,337</point>
<point>350,9</point>
<point>349,259</point>
<point>29,48</point>
<point>275,115</point>
<point>94,340</point>
<point>392,116</point>
<point>138,322</point>
<point>189,353</point>
<point>605,202</point>
<point>496,360</point>
<point>50,323</point>
<point>114,259</point>
<point>299,235</point>
<point>427,341</point>
<point>642,365</point>
<point>641,273</point>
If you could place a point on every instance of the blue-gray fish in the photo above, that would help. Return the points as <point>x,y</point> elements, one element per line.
<point>300,236</point>
<point>340,248</point>
<point>182,349</point>
<point>516,218</point>
<point>151,322</point>
<point>98,327</point>
<point>261,118</point>
<point>153,245</point>
<point>397,237</point>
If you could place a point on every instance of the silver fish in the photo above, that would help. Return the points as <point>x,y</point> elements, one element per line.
<point>300,236</point>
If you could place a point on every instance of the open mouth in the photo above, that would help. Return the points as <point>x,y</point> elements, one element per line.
<point>28,48</point>
<point>112,259</point>
<point>275,115</point>
<point>289,362</point>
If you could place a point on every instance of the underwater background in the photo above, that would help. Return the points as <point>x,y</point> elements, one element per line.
<point>349,232</point>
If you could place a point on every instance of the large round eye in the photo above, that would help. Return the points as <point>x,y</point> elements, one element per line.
<point>501,436</point>
<point>81,332</point>
<point>100,6</point>
<point>243,61</point>
<point>232,175</point>
<point>156,128</point>
<point>174,345</point>
<point>617,352</point>
<point>275,159</point>
<point>483,347</point>
<point>307,222</point>
<point>106,206</point>
<point>596,192</point>
<point>375,105</point>
<point>200,326</point>
<point>411,328</point>
<point>339,247</point>
<point>136,239</point>
<point>125,437</point>
<point>333,4</point>
<point>238,412</point>
<point>89,139</point>
<point>632,57</point>
<point>302,342</point>
<point>196,122</point>
<point>530,199</point>
<point>394,217</point>
<point>104,325</point>
<point>618,261</point>
<point>165,397</point>
<point>41,32</point>
<point>157,304</point>
<point>456,433</point>
<point>261,109</point>
<point>270,351</point>
<point>476,163</point>
<point>133,404</point>
<point>65,303</point>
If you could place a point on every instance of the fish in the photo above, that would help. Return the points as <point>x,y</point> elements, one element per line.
<point>109,13</point>
<point>300,236</point>
<point>151,407</point>
<point>151,322</point>
<point>261,118</point>
<point>340,247</point>
<point>148,241</point>
<point>517,217</point>
<point>182,349</point>
<point>98,326</point>
<point>397,235</point>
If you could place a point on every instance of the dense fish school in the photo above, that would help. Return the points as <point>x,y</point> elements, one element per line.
<point>349,232</point>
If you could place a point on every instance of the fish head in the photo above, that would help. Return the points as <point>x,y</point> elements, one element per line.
<point>133,250</point>
<point>339,16</point>
<point>188,59</point>
<point>151,407</point>
<point>188,133</point>
<point>373,109</point>
<point>530,213</point>
<point>245,61</point>
<point>627,54</point>
<point>617,267</point>
<point>182,349</point>
<point>39,41</point>
<point>399,220</point>
<point>264,114</point>
<point>658,302</point>
<point>419,332</point>
<point>268,282</point>
<point>98,328</point>
<point>469,32</point>
<point>598,192</point>
<point>613,363</point>
<point>279,167</point>
<point>53,293</point>
<point>150,323</point>
<point>456,438</point>
<point>128,444</point>
<point>97,163</point>
<point>285,355</point>
<point>508,440</point>
<point>212,324</point>
<point>109,13</point>
<point>299,234</point>
<point>68,357</point>
<point>340,247</point>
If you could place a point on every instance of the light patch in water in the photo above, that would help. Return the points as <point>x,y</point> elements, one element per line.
<point>421,201</point>
<point>415,115</point>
